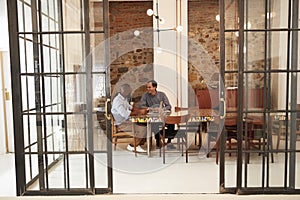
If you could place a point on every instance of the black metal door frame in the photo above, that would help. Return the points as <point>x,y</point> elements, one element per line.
<point>241,186</point>
<point>37,33</point>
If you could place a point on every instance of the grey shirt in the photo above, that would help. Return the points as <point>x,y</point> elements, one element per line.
<point>148,100</point>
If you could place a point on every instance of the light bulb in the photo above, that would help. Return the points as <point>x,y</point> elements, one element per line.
<point>150,12</point>
<point>158,49</point>
<point>218,17</point>
<point>179,28</point>
<point>136,33</point>
<point>247,26</point>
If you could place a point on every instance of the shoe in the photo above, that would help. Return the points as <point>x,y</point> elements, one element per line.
<point>170,146</point>
<point>130,148</point>
<point>139,149</point>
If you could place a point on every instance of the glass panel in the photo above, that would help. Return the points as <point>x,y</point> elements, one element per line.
<point>254,171</point>
<point>20,16</point>
<point>24,93</point>
<point>231,14</point>
<point>96,16</point>
<point>56,175</point>
<point>278,50</point>
<point>101,171</point>
<point>230,169</point>
<point>75,92</point>
<point>254,51</point>
<point>51,53</point>
<point>297,178</point>
<point>31,92</point>
<point>278,14</point>
<point>29,56</point>
<point>31,169</point>
<point>78,170</point>
<point>49,16</point>
<point>32,129</point>
<point>51,93</point>
<point>231,91</point>
<point>277,171</point>
<point>231,51</point>
<point>25,129</point>
<point>46,54</point>
<point>278,90</point>
<point>97,52</point>
<point>100,137</point>
<point>98,88</point>
<point>254,97</point>
<point>74,53</point>
<point>22,53</point>
<point>77,132</point>
<point>55,58</point>
<point>27,18</point>
<point>254,14</point>
<point>45,23</point>
<point>73,15</point>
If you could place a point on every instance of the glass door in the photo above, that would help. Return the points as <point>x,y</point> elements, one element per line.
<point>259,63</point>
<point>60,91</point>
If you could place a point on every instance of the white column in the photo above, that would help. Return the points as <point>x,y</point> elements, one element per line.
<point>170,64</point>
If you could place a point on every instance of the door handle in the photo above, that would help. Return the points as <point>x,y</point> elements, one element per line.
<point>224,108</point>
<point>106,111</point>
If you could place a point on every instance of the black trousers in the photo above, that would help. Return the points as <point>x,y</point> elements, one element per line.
<point>169,130</point>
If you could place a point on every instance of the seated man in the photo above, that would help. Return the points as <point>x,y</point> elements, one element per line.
<point>121,111</point>
<point>153,98</point>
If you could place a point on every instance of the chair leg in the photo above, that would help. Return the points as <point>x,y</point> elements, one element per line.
<point>134,145</point>
<point>217,151</point>
<point>186,149</point>
<point>278,141</point>
<point>115,142</point>
<point>164,151</point>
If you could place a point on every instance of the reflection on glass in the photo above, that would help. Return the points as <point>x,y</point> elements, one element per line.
<point>96,16</point>
<point>75,91</point>
<point>77,132</point>
<point>73,15</point>
<point>231,14</point>
<point>74,48</point>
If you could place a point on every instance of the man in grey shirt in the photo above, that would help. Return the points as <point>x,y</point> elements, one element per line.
<point>153,98</point>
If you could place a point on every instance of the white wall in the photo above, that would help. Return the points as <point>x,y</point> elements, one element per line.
<point>6,83</point>
<point>4,42</point>
<point>170,66</point>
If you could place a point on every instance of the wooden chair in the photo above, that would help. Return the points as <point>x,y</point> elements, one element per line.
<point>213,136</point>
<point>122,133</point>
<point>279,129</point>
<point>180,134</point>
<point>195,127</point>
<point>212,128</point>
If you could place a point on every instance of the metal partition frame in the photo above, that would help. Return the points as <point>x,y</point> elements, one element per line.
<point>24,180</point>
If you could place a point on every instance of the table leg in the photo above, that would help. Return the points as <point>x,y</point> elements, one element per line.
<point>148,138</point>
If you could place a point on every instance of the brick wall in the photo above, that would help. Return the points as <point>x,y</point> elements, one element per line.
<point>203,33</point>
<point>133,65</point>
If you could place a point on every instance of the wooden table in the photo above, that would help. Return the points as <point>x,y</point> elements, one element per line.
<point>154,122</point>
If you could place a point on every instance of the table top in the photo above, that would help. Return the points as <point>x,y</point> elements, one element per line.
<point>202,115</point>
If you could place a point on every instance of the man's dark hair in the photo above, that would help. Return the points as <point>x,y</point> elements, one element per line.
<point>153,82</point>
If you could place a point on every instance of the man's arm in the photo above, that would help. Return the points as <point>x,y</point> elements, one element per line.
<point>166,102</point>
<point>143,103</point>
